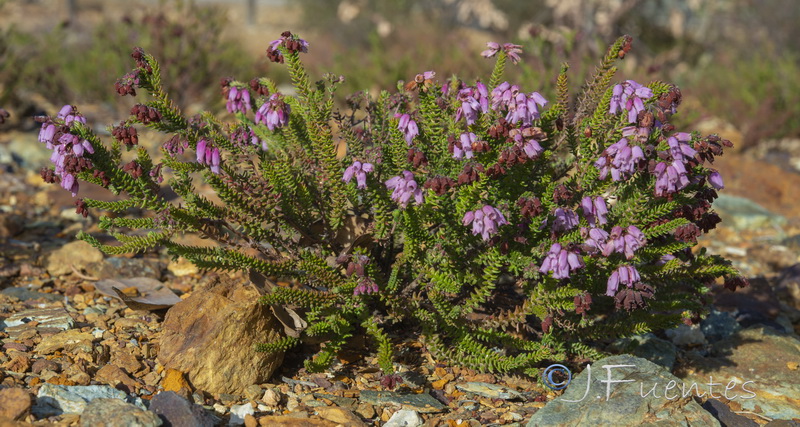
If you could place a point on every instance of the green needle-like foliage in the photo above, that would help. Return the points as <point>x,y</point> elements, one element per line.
<point>502,229</point>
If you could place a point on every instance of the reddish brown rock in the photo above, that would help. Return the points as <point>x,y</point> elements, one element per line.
<point>113,375</point>
<point>15,403</point>
<point>211,337</point>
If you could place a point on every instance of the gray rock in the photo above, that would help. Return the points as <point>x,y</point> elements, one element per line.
<point>424,403</point>
<point>725,416</point>
<point>647,346</point>
<point>116,413</point>
<point>300,382</point>
<point>685,335</point>
<point>176,411</point>
<point>24,294</point>
<point>759,365</point>
<point>58,399</point>
<point>238,412</point>
<point>628,391</point>
<point>719,325</point>
<point>745,214</point>
<point>788,286</point>
<point>49,320</point>
<point>491,391</point>
<point>404,418</point>
<point>25,150</point>
<point>414,379</point>
<point>344,402</point>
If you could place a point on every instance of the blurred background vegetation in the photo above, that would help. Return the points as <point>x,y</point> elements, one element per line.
<point>736,61</point>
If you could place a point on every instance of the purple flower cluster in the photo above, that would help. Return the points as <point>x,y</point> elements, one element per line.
<point>594,210</point>
<point>529,145</point>
<point>274,112</point>
<point>512,50</point>
<point>620,240</point>
<point>365,286</point>
<point>565,219</point>
<point>463,148</point>
<point>484,221</point>
<point>245,136</point>
<point>238,100</point>
<point>670,178</point>
<point>626,275</point>
<point>404,188</point>
<point>292,44</point>
<point>673,177</point>
<point>629,96</point>
<point>624,162</point>
<point>636,133</point>
<point>678,147</point>
<point>359,171</point>
<point>207,154</point>
<point>407,126</point>
<point>68,149</point>
<point>561,262</point>
<point>521,108</point>
<point>473,100</point>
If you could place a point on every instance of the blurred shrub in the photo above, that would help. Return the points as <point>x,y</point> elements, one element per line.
<point>759,93</point>
<point>67,65</point>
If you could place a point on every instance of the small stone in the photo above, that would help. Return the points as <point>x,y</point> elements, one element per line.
<point>685,335</point>
<point>339,415</point>
<point>439,384</point>
<point>182,267</point>
<point>177,411</point>
<point>228,399</point>
<point>424,403</point>
<point>19,363</point>
<point>238,413</point>
<point>113,375</point>
<point>126,361</point>
<point>115,412</point>
<point>15,403</point>
<point>366,410</point>
<point>71,340</point>
<point>77,253</point>
<point>404,418</point>
<point>250,421</point>
<point>491,391</point>
<point>271,397</point>
<point>44,365</point>
<point>174,381</point>
<point>252,392</point>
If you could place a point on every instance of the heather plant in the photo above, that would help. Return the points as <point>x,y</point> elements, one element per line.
<point>502,227</point>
